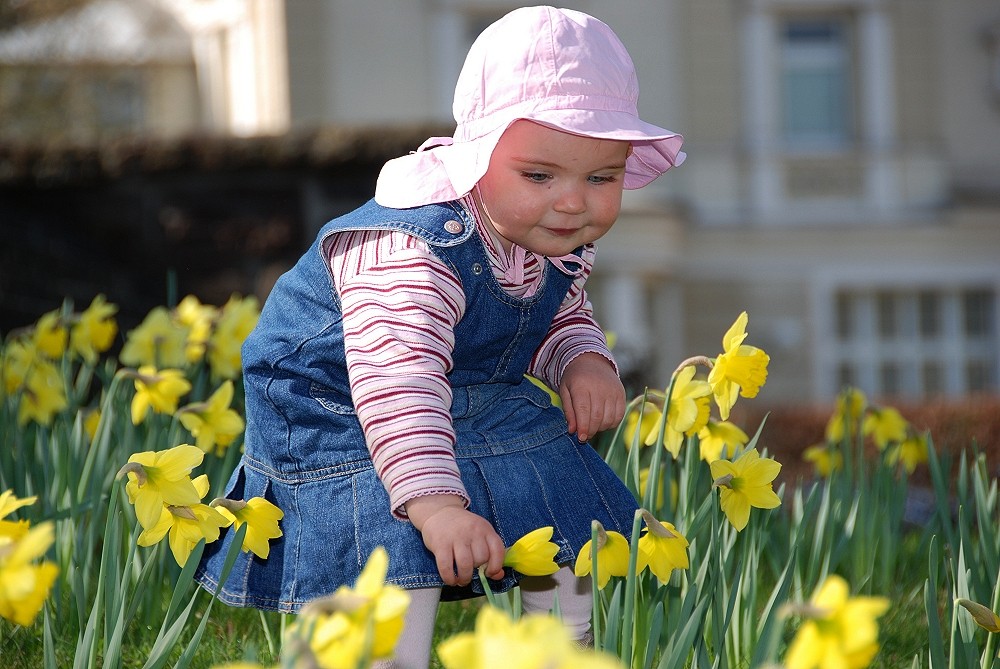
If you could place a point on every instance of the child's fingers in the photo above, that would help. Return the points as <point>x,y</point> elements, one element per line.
<point>589,415</point>
<point>445,560</point>
<point>497,551</point>
<point>614,411</point>
<point>568,408</point>
<point>465,564</point>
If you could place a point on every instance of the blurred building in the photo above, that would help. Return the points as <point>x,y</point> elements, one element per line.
<point>842,183</point>
<point>83,71</point>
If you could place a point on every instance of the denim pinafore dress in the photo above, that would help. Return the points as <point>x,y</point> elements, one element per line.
<point>305,450</point>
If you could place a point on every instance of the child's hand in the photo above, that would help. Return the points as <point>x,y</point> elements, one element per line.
<point>592,395</point>
<point>460,540</point>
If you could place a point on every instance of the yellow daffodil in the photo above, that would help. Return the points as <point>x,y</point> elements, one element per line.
<point>983,615</point>
<point>158,478</point>
<point>9,503</point>
<point>642,423</point>
<point>336,640</point>
<point>884,426</point>
<point>690,405</point>
<point>237,318</point>
<point>612,556</point>
<point>94,331</point>
<point>159,341</point>
<point>912,451</point>
<point>261,518</point>
<point>43,394</point>
<point>720,440</point>
<point>841,632</point>
<point>213,423</point>
<point>157,390</point>
<point>19,356</point>
<point>536,640</point>
<point>29,374</point>
<point>553,395</point>
<point>661,547</point>
<point>740,369</point>
<point>745,483</point>
<point>185,526</point>
<point>388,602</point>
<point>25,583</point>
<point>658,502</point>
<point>533,554</point>
<point>851,404</point>
<point>339,626</point>
<point>12,530</point>
<point>198,318</point>
<point>825,460</point>
<point>50,335</point>
<point>90,423</point>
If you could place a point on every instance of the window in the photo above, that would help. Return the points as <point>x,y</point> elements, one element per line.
<point>888,317</point>
<point>816,82</point>
<point>845,318</point>
<point>930,315</point>
<point>916,343</point>
<point>978,311</point>
<point>932,378</point>
<point>118,99</point>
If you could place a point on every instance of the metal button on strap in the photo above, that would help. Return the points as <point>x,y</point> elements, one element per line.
<point>477,268</point>
<point>454,227</point>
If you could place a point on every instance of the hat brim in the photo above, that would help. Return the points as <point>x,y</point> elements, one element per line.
<point>449,172</point>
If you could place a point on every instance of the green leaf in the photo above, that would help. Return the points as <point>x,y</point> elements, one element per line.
<point>653,631</point>
<point>936,659</point>
<point>676,655</point>
<point>227,566</point>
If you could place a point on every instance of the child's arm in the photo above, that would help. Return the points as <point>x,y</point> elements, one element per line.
<point>592,395</point>
<point>400,304</point>
<point>574,358</point>
<point>460,540</point>
<point>408,429</point>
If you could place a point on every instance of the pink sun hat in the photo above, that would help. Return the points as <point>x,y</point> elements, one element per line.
<point>557,67</point>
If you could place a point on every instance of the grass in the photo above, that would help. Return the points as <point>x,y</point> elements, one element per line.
<point>233,634</point>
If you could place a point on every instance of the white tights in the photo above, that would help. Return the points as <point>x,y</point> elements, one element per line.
<point>413,651</point>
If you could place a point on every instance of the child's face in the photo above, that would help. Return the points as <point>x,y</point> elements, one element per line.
<point>550,191</point>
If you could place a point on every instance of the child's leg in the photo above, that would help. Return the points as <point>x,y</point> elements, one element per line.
<point>575,600</point>
<point>413,650</point>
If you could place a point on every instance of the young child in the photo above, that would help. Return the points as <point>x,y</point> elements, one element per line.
<point>386,395</point>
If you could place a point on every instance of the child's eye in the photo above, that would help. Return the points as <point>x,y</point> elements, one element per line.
<point>537,177</point>
<point>595,179</point>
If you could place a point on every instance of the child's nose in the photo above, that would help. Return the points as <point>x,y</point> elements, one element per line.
<point>571,201</point>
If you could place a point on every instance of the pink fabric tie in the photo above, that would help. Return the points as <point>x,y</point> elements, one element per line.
<point>569,257</point>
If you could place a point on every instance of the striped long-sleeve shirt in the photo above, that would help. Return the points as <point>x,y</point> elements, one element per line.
<point>400,305</point>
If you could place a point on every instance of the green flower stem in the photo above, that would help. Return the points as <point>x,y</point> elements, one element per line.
<point>97,456</point>
<point>487,590</point>
<point>595,589</point>
<point>628,634</point>
<point>654,480</point>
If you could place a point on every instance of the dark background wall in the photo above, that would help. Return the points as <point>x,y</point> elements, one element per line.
<point>149,223</point>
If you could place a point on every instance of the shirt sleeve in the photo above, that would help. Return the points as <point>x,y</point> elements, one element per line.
<point>400,305</point>
<point>574,331</point>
